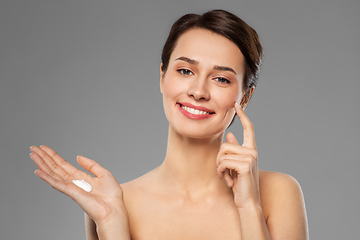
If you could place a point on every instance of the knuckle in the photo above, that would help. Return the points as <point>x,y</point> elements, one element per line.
<point>253,163</point>
<point>223,148</point>
<point>54,166</point>
<point>62,162</point>
<point>221,159</point>
<point>66,176</point>
<point>248,168</point>
<point>251,160</point>
<point>92,167</point>
<point>245,167</point>
<point>255,154</point>
<point>53,154</point>
<point>222,165</point>
<point>52,174</point>
<point>224,161</point>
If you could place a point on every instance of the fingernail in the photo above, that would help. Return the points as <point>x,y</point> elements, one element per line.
<point>227,184</point>
<point>238,104</point>
<point>31,147</point>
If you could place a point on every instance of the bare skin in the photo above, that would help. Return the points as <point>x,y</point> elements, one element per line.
<point>160,207</point>
<point>157,212</point>
<point>205,188</point>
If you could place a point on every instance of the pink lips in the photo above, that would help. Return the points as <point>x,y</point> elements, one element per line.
<point>195,116</point>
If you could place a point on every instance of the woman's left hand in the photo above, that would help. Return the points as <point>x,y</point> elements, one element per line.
<point>238,164</point>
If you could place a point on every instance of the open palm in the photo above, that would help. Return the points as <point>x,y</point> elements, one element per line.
<point>103,201</point>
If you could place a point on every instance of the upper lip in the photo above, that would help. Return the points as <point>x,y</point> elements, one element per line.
<point>200,108</point>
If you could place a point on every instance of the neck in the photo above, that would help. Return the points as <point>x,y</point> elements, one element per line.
<point>190,164</point>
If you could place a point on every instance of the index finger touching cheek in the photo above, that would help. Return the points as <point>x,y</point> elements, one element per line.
<point>249,135</point>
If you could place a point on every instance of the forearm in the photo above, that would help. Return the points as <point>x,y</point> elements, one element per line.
<point>114,229</point>
<point>253,224</point>
<point>90,228</point>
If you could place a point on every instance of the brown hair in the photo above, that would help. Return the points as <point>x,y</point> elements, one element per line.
<point>227,25</point>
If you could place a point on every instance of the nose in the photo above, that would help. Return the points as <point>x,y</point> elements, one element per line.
<point>199,89</point>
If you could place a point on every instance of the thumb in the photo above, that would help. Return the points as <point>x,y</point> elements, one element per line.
<point>91,166</point>
<point>230,138</point>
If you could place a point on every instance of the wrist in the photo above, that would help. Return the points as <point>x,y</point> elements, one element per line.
<point>251,207</point>
<point>113,229</point>
<point>114,226</point>
<point>114,218</point>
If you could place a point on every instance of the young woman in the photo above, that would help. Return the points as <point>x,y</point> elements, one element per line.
<point>205,188</point>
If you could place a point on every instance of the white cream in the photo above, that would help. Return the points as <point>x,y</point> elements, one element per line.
<point>82,184</point>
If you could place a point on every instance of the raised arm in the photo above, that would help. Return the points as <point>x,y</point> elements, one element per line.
<point>284,203</point>
<point>104,203</point>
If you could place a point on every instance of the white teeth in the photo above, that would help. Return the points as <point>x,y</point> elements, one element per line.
<point>194,111</point>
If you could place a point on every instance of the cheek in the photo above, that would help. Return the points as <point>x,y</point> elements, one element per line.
<point>172,91</point>
<point>173,87</point>
<point>169,90</point>
<point>227,100</point>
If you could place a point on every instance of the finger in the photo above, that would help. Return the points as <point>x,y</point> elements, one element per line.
<point>47,160</point>
<point>230,138</point>
<point>53,182</point>
<point>43,166</point>
<point>68,188</point>
<point>230,148</point>
<point>249,136</point>
<point>228,178</point>
<point>57,159</point>
<point>91,166</point>
<point>240,158</point>
<point>241,167</point>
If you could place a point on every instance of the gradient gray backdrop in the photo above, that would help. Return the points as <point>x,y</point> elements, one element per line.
<point>83,78</point>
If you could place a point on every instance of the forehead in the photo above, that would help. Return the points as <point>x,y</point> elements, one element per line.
<point>208,47</point>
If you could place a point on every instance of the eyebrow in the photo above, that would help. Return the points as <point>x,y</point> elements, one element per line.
<point>225,69</point>
<point>188,60</point>
<point>216,67</point>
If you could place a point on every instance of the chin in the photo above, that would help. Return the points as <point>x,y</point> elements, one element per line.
<point>196,132</point>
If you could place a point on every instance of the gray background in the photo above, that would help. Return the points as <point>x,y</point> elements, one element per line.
<point>83,77</point>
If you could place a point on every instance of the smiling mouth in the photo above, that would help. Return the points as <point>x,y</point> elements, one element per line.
<point>195,111</point>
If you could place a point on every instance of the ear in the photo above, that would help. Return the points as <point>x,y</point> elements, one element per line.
<point>246,97</point>
<point>161,78</point>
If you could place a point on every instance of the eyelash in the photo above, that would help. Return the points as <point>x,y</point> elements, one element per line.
<point>181,71</point>
<point>223,80</point>
<point>188,72</point>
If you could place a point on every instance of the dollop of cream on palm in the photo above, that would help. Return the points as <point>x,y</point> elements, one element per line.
<point>82,184</point>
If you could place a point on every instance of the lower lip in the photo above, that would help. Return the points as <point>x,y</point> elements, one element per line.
<point>193,116</point>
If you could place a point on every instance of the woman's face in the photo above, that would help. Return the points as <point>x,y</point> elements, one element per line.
<point>202,82</point>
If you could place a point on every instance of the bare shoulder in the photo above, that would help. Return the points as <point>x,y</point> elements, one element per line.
<point>278,182</point>
<point>136,189</point>
<point>283,204</point>
<point>140,182</point>
<point>278,189</point>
